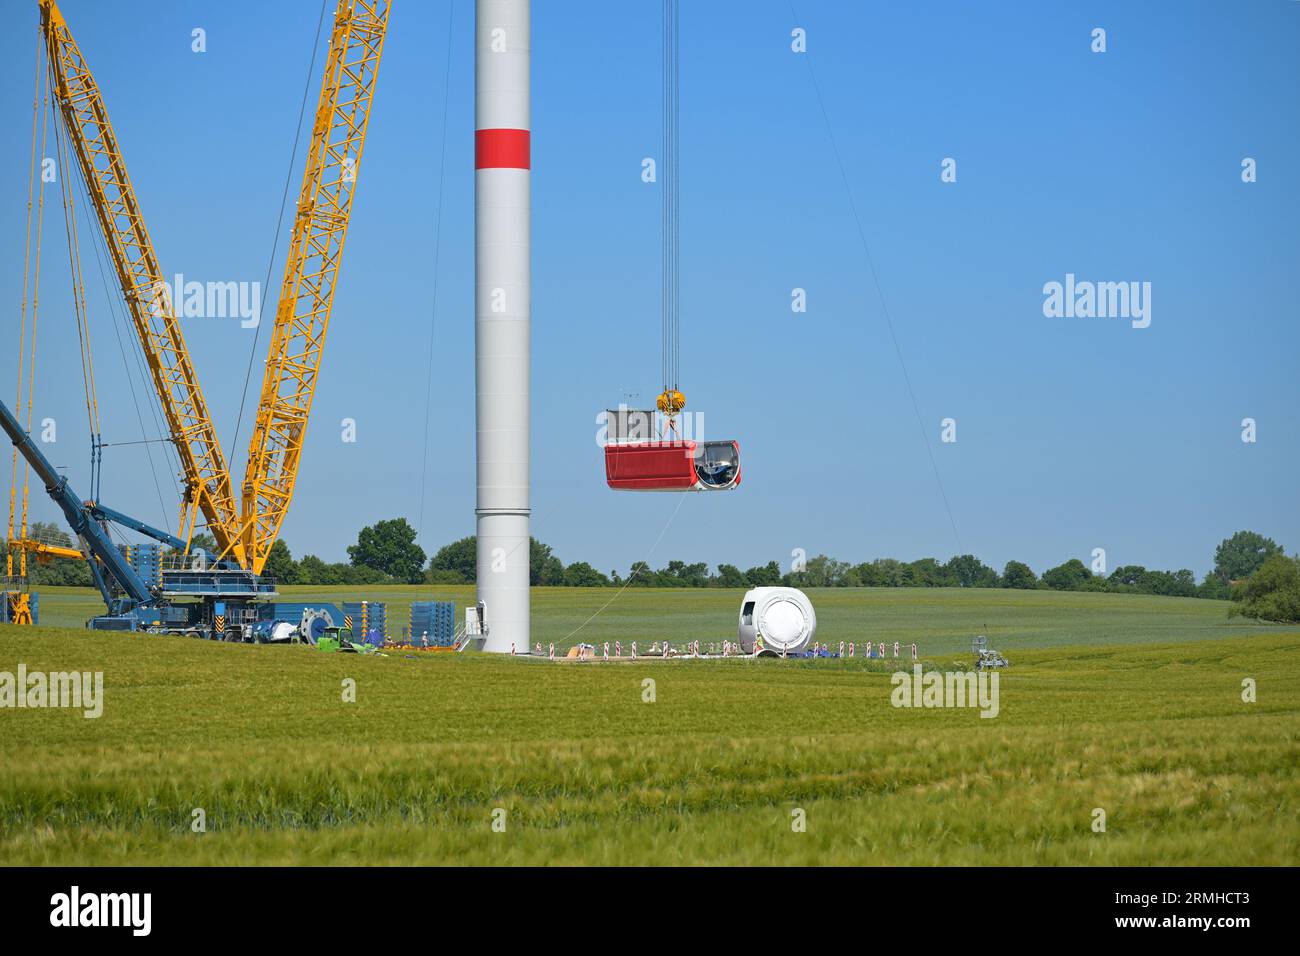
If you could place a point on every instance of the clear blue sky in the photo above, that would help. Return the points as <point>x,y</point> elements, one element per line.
<point>1071,433</point>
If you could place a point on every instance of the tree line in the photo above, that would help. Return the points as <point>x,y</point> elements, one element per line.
<point>1249,569</point>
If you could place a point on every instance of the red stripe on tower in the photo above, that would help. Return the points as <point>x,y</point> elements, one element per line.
<point>501,149</point>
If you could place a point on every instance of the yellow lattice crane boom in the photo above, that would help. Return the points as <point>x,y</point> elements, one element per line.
<point>245,531</point>
<point>311,271</point>
<point>81,105</point>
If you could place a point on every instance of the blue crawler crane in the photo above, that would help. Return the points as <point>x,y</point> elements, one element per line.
<point>200,596</point>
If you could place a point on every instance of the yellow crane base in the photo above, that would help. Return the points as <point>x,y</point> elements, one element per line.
<point>20,608</point>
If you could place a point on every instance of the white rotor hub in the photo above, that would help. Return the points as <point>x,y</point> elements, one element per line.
<point>781,618</point>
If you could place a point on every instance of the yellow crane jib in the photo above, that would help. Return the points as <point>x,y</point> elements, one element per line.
<point>81,106</point>
<point>43,552</point>
<point>311,272</point>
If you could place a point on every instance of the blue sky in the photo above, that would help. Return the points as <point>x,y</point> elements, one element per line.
<point>1072,433</point>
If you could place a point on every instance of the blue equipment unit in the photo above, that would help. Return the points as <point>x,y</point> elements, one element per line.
<point>436,619</point>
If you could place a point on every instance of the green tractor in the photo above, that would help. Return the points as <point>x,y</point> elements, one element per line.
<point>334,640</point>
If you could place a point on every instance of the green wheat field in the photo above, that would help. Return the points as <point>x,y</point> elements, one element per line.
<point>1128,704</point>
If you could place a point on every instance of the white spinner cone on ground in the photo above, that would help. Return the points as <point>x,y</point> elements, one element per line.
<point>502,317</point>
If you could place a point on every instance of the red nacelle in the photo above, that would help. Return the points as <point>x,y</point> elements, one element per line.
<point>673,465</point>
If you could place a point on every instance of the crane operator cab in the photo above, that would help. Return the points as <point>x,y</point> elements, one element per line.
<point>636,461</point>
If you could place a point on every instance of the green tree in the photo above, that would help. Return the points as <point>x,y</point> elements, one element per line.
<point>767,576</point>
<point>1240,556</point>
<point>882,573</point>
<point>671,575</point>
<point>1214,588</point>
<point>640,575</point>
<point>1272,593</point>
<point>455,563</point>
<point>1168,583</point>
<point>551,573</point>
<point>443,577</point>
<point>280,566</point>
<point>389,547</point>
<point>1070,576</point>
<point>730,576</point>
<point>544,568</point>
<point>1129,576</point>
<point>362,574</point>
<point>1019,575</point>
<point>869,575</point>
<point>580,574</point>
<point>819,572</point>
<point>312,570</point>
<point>1184,583</point>
<point>968,571</point>
<point>59,572</point>
<point>925,573</point>
<point>679,574</point>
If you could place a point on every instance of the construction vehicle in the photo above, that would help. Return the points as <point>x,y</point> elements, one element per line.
<point>341,640</point>
<point>218,595</point>
<point>213,601</point>
<point>985,657</point>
